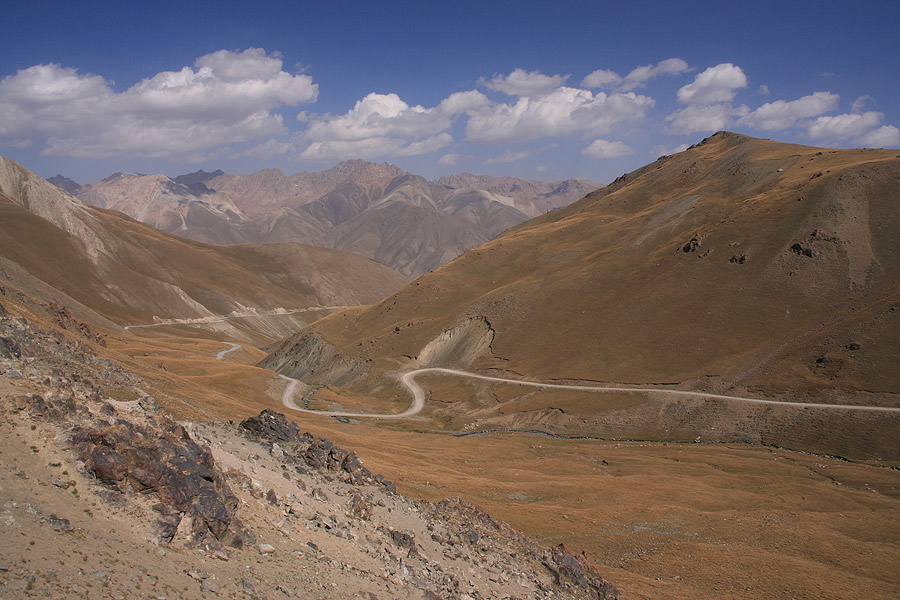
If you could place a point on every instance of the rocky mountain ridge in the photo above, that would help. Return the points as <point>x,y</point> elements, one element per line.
<point>345,207</point>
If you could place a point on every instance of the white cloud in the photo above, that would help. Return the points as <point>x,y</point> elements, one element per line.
<point>715,84</point>
<point>607,149</point>
<point>345,149</point>
<point>846,126</point>
<point>507,157</point>
<point>267,150</point>
<point>382,124</point>
<point>229,97</point>
<point>714,117</point>
<point>524,83</point>
<point>886,136</point>
<point>639,76</point>
<point>860,103</point>
<point>763,90</point>
<point>602,78</point>
<point>781,114</point>
<point>449,159</point>
<point>666,151</point>
<point>563,111</point>
<point>426,146</point>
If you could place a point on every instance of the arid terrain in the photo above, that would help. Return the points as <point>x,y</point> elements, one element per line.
<point>739,270</point>
<point>377,210</point>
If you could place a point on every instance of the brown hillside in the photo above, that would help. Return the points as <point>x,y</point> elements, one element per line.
<point>740,264</point>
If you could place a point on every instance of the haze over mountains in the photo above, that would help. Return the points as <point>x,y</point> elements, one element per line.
<point>376,210</point>
<point>108,266</point>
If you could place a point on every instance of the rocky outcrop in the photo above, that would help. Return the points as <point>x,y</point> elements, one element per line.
<point>164,461</point>
<point>304,451</point>
<point>458,346</point>
<point>307,355</point>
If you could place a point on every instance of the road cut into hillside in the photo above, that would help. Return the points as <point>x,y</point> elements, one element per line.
<point>418,395</point>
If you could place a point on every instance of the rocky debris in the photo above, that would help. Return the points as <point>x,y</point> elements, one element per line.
<point>9,348</point>
<point>269,424</point>
<point>693,244</point>
<point>358,507</point>
<point>801,250</point>
<point>304,451</point>
<point>738,259</point>
<point>564,566</point>
<point>65,320</point>
<point>166,462</point>
<point>57,524</point>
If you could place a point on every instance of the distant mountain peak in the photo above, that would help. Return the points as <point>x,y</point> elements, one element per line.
<point>65,184</point>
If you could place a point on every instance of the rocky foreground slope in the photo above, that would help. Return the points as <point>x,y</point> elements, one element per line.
<point>103,495</point>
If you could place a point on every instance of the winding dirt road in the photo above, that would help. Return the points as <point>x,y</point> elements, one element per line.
<point>409,380</point>
<point>221,318</point>
<point>232,347</point>
<point>418,395</point>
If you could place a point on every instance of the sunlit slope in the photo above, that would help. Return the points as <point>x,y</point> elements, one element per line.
<point>740,261</point>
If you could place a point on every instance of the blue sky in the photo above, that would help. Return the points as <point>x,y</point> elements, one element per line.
<point>556,90</point>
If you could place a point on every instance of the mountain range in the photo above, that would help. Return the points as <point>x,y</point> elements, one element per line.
<point>377,210</point>
<point>112,269</point>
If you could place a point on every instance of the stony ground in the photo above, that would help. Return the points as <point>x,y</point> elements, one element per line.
<point>110,498</point>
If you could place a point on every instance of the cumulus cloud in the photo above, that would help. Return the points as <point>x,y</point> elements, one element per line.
<point>716,84</point>
<point>605,149</point>
<point>638,77</point>
<point>843,127</point>
<point>781,114</point>
<point>694,119</point>
<point>563,111</point>
<point>602,78</point>
<point>524,83</point>
<point>507,157</point>
<point>227,97</point>
<point>886,136</point>
<point>382,124</point>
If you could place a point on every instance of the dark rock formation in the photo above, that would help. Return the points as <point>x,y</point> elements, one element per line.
<point>305,451</point>
<point>165,461</point>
